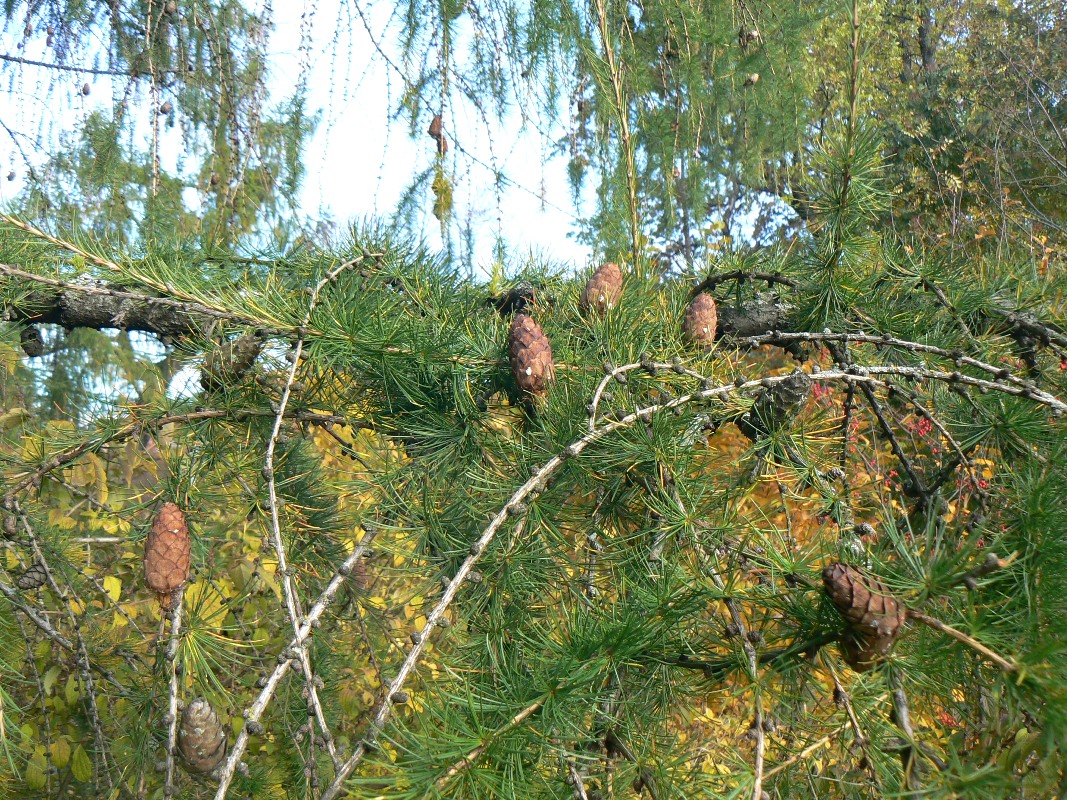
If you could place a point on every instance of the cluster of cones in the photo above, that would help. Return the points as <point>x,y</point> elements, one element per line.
<point>875,618</point>
<point>530,353</point>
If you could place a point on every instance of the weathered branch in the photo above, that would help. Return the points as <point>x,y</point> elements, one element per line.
<point>172,693</point>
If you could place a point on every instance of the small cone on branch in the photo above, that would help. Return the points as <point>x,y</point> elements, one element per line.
<point>530,355</point>
<point>776,406</point>
<point>201,738</point>
<point>434,131</point>
<point>875,618</point>
<point>33,578</point>
<point>230,361</point>
<point>167,553</point>
<point>701,320</point>
<point>603,289</point>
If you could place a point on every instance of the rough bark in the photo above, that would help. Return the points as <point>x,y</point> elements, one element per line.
<point>121,310</point>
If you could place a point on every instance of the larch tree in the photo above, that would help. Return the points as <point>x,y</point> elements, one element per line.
<point>766,502</point>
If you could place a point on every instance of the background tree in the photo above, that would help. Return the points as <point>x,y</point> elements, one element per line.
<point>778,514</point>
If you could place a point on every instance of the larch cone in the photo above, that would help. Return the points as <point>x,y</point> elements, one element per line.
<point>201,738</point>
<point>701,320</point>
<point>603,290</point>
<point>167,554</point>
<point>530,355</point>
<point>875,618</point>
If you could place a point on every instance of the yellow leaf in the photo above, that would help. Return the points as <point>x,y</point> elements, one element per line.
<point>35,777</point>
<point>13,418</point>
<point>61,752</point>
<point>113,586</point>
<point>50,678</point>
<point>71,692</point>
<point>80,766</point>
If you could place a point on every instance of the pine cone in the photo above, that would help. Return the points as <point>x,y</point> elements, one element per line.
<point>776,406</point>
<point>33,578</point>
<point>701,320</point>
<point>875,617</point>
<point>603,289</point>
<point>167,553</point>
<point>228,362</point>
<point>201,739</point>
<point>531,356</point>
<point>32,342</point>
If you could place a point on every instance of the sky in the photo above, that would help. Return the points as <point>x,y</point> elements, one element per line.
<point>360,159</point>
<point>345,161</point>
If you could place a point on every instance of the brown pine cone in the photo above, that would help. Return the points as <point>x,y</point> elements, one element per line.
<point>875,617</point>
<point>860,654</point>
<point>530,355</point>
<point>434,131</point>
<point>701,320</point>
<point>776,406</point>
<point>33,578</point>
<point>603,289</point>
<point>230,361</point>
<point>201,739</point>
<point>167,553</point>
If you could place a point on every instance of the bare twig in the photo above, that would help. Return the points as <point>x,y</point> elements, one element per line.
<point>290,595</point>
<point>902,717</point>
<point>741,276</point>
<point>172,693</point>
<point>1005,664</point>
<point>254,712</point>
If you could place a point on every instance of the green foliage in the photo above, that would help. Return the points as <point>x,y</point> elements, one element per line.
<point>613,590</point>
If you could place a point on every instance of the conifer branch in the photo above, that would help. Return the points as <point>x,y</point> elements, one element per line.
<point>887,340</point>
<point>1005,664</point>
<point>63,244</point>
<point>290,596</point>
<point>132,426</point>
<point>79,650</point>
<point>472,757</point>
<point>807,751</point>
<point>117,308</point>
<point>254,713</point>
<point>750,652</point>
<point>915,485</point>
<point>516,505</point>
<point>623,109</point>
<point>64,67</point>
<point>842,698</point>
